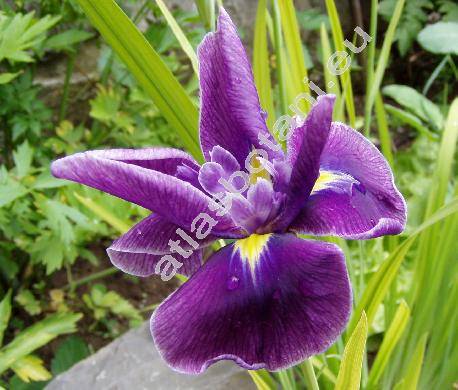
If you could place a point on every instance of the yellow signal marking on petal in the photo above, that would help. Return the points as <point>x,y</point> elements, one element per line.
<point>250,248</point>
<point>328,177</point>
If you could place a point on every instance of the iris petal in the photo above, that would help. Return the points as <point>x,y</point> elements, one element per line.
<point>290,301</point>
<point>231,115</point>
<point>359,200</point>
<point>138,251</point>
<point>124,176</point>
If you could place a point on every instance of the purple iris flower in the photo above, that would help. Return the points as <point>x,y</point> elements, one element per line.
<point>269,299</point>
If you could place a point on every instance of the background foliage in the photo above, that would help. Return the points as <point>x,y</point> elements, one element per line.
<point>54,275</point>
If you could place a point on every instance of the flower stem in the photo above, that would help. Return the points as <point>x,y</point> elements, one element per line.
<point>309,375</point>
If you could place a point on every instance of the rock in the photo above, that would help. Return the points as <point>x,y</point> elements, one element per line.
<point>132,362</point>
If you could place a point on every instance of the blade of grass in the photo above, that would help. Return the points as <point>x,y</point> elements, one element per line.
<point>179,35</point>
<point>410,380</point>
<point>331,81</point>
<point>261,66</point>
<point>309,374</point>
<point>345,77</point>
<point>206,9</point>
<point>5,314</point>
<point>390,339</point>
<point>383,131</point>
<point>280,58</point>
<point>381,65</point>
<point>294,49</point>
<point>352,360</point>
<point>262,380</point>
<point>148,68</point>
<point>379,283</point>
<point>103,213</point>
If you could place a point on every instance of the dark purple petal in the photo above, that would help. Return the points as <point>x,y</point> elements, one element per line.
<point>177,201</point>
<point>165,160</point>
<point>304,150</point>
<point>269,303</point>
<point>230,115</point>
<point>139,250</point>
<point>360,199</point>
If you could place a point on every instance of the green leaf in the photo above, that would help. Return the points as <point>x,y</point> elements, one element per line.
<point>349,377</point>
<point>31,368</point>
<point>416,103</point>
<point>69,352</point>
<point>379,283</point>
<point>262,379</point>
<point>65,40</point>
<point>7,77</point>
<point>440,38</point>
<point>36,336</point>
<point>179,35</point>
<point>345,77</point>
<point>148,68</point>
<point>382,62</point>
<point>23,159</point>
<point>261,67</point>
<point>10,191</point>
<point>5,314</point>
<point>20,33</point>
<point>103,213</point>
<point>27,300</point>
<point>293,43</point>
<point>390,340</point>
<point>412,375</point>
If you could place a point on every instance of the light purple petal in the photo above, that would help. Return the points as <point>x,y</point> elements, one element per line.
<point>177,201</point>
<point>271,312</point>
<point>230,115</point>
<point>364,202</point>
<point>138,251</point>
<point>304,150</point>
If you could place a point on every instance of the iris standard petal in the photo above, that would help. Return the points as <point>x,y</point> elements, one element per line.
<point>355,196</point>
<point>305,146</point>
<point>230,114</point>
<point>177,201</point>
<point>138,251</point>
<point>268,301</point>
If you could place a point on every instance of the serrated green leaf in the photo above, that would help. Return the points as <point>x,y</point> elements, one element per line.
<point>36,336</point>
<point>31,368</point>
<point>23,159</point>
<point>7,77</point>
<point>27,300</point>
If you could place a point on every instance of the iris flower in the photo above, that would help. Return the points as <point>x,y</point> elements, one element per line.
<point>268,299</point>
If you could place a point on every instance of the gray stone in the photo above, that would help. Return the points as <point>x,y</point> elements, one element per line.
<point>132,362</point>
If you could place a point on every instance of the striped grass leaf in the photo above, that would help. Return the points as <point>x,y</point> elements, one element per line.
<point>410,379</point>
<point>382,63</point>
<point>179,35</point>
<point>390,340</point>
<point>281,60</point>
<point>36,336</point>
<point>349,377</point>
<point>261,66</point>
<point>206,9</point>
<point>103,213</point>
<point>383,130</point>
<point>294,49</point>
<point>286,379</point>
<point>5,314</point>
<point>148,68</point>
<point>262,380</point>
<point>331,81</point>
<point>345,77</point>
<point>379,283</point>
